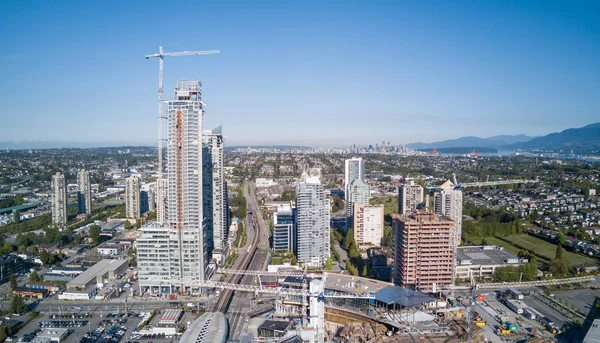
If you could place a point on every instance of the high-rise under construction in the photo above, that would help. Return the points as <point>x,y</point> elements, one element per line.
<point>173,255</point>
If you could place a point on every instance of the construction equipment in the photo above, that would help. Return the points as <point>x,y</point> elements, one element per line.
<point>161,55</point>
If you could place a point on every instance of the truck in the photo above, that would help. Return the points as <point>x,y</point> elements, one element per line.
<point>550,326</point>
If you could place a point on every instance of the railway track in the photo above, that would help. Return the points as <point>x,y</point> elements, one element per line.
<point>225,299</point>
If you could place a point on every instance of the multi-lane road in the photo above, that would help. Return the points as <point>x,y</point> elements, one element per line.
<point>237,304</point>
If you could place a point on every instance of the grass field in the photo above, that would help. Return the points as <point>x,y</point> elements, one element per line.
<point>546,249</point>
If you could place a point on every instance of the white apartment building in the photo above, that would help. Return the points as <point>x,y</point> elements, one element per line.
<point>410,195</point>
<point>448,202</point>
<point>312,222</point>
<point>368,224</point>
<point>173,256</point>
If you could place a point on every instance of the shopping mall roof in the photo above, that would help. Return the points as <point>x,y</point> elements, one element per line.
<point>401,296</point>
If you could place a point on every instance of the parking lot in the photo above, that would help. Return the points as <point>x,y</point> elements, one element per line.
<point>109,328</point>
<point>581,299</point>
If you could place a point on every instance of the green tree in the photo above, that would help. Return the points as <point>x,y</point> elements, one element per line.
<point>328,264</point>
<point>94,232</point>
<point>3,334</point>
<point>365,272</point>
<point>17,217</point>
<point>560,251</point>
<point>46,258</point>
<point>483,241</point>
<point>8,248</point>
<point>34,277</point>
<point>349,239</point>
<point>13,281</point>
<point>127,225</point>
<point>17,304</point>
<point>387,236</point>
<point>294,261</point>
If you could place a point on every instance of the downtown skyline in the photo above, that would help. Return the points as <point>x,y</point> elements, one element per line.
<point>483,70</point>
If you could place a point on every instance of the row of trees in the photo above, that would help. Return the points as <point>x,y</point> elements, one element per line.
<point>524,272</point>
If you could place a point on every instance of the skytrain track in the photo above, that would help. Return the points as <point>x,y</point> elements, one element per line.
<point>224,301</point>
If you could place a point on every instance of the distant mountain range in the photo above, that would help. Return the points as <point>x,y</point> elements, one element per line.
<point>473,142</point>
<point>61,145</point>
<point>583,140</point>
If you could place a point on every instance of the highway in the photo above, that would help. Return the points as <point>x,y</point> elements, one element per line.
<point>236,304</point>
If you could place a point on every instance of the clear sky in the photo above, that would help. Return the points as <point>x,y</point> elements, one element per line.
<point>328,73</point>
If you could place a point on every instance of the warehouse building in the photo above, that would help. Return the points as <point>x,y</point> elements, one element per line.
<point>98,273</point>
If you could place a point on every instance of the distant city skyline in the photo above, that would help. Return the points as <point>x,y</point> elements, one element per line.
<point>309,73</point>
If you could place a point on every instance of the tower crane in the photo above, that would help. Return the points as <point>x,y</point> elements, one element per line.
<point>161,55</point>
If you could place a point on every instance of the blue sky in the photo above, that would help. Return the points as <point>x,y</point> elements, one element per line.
<point>326,73</point>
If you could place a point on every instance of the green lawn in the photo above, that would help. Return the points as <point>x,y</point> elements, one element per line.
<point>390,205</point>
<point>546,249</point>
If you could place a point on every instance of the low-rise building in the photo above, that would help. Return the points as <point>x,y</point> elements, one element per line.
<point>105,269</point>
<point>274,328</point>
<point>482,261</point>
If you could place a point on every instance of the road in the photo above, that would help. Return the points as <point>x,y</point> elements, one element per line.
<point>242,302</point>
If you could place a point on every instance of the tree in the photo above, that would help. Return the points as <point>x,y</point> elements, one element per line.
<point>560,251</point>
<point>483,241</point>
<point>349,239</point>
<point>365,272</point>
<point>328,264</point>
<point>3,334</point>
<point>294,261</point>
<point>387,236</point>
<point>34,277</point>
<point>17,217</point>
<point>127,225</point>
<point>95,231</point>
<point>46,258</point>
<point>8,248</point>
<point>13,282</point>
<point>17,304</point>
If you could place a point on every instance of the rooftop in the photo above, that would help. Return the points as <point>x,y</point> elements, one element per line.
<point>593,334</point>
<point>275,325</point>
<point>483,255</point>
<point>209,327</point>
<point>353,284</point>
<point>100,268</point>
<point>401,296</point>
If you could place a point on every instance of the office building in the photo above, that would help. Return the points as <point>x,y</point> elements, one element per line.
<point>410,196</point>
<point>215,203</point>
<point>161,201</point>
<point>84,195</point>
<point>173,256</point>
<point>448,202</point>
<point>368,224</point>
<point>423,253</point>
<point>312,221</point>
<point>59,200</point>
<point>284,228</point>
<point>357,192</point>
<point>133,206</point>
